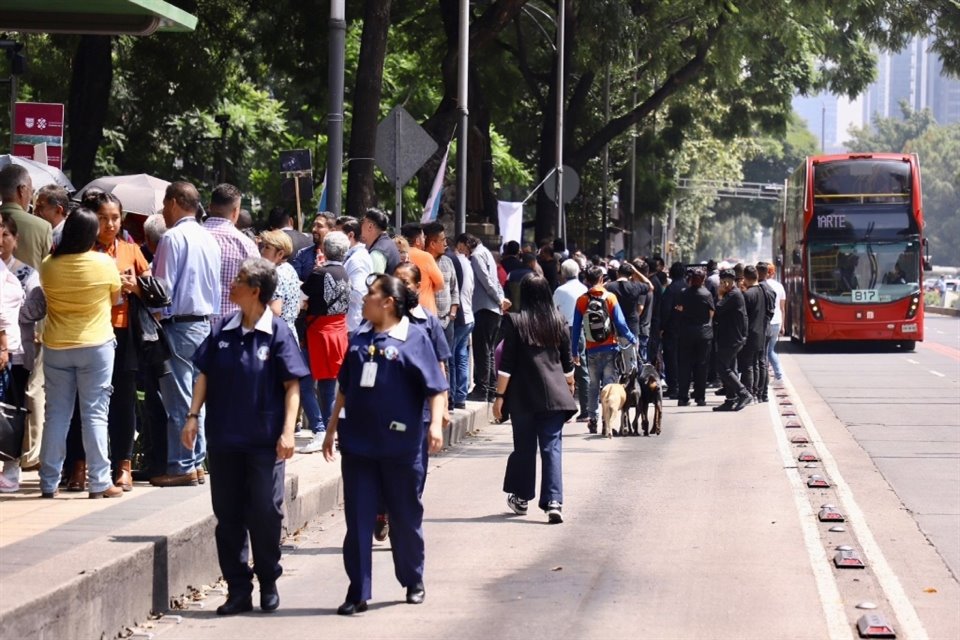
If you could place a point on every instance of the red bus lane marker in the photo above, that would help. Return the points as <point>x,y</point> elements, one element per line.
<point>942,349</point>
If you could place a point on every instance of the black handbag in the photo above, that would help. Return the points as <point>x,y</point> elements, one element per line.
<point>12,420</point>
<point>153,293</point>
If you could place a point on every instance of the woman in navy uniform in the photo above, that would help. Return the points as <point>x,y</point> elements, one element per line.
<point>389,372</point>
<point>250,369</point>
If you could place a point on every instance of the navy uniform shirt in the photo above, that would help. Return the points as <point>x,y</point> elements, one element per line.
<point>245,378</point>
<point>386,421</point>
<point>431,324</point>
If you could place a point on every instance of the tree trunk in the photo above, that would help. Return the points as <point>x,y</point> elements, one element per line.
<point>366,107</point>
<point>441,125</point>
<point>87,104</point>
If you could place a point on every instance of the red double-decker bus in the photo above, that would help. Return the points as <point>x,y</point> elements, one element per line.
<point>850,249</point>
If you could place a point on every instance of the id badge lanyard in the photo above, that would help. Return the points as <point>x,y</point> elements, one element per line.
<point>368,375</point>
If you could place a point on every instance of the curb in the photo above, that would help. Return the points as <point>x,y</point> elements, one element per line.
<point>108,584</point>
<point>943,311</point>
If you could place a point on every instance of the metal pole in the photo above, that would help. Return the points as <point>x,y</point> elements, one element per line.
<point>823,127</point>
<point>338,30</point>
<point>460,224</point>
<point>605,191</point>
<point>632,225</point>
<point>224,123</point>
<point>13,102</point>
<point>398,188</point>
<point>561,28</point>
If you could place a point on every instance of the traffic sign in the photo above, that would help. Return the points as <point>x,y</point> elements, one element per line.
<point>402,146</point>
<point>571,185</point>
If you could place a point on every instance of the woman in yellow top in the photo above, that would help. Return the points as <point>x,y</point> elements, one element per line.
<point>130,263</point>
<point>81,286</point>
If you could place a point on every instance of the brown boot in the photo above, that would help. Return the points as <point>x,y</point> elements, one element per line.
<point>78,476</point>
<point>109,492</point>
<point>124,476</point>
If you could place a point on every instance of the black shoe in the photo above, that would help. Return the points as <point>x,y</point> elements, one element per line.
<point>269,597</point>
<point>701,403</point>
<point>459,405</point>
<point>583,416</point>
<point>416,594</point>
<point>350,608</point>
<point>235,605</point>
<point>683,403</point>
<point>671,395</point>
<point>720,392</point>
<point>742,401</point>
<point>477,396</point>
<point>592,425</point>
<point>726,406</point>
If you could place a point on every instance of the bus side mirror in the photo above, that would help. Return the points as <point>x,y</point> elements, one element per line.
<point>927,266</point>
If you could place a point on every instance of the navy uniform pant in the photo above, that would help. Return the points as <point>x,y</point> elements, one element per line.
<point>398,483</point>
<point>247,494</point>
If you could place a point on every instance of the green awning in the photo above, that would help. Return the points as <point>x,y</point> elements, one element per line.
<point>107,17</point>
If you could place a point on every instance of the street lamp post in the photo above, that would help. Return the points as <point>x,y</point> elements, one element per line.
<point>462,96</point>
<point>561,28</point>
<point>338,29</point>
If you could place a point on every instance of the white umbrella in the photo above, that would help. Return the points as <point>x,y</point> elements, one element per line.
<point>137,193</point>
<point>40,174</point>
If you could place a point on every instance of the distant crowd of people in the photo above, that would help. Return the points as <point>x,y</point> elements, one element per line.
<point>237,339</point>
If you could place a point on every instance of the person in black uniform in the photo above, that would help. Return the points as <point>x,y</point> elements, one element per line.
<point>670,327</point>
<point>696,335</point>
<point>250,369</point>
<point>389,372</point>
<point>731,336</point>
<point>756,305</point>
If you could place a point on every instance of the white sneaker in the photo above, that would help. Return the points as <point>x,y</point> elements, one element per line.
<point>7,485</point>
<point>314,445</point>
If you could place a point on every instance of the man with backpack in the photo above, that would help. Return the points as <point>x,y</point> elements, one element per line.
<point>598,313</point>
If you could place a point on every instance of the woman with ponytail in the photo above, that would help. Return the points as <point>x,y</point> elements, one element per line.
<point>389,372</point>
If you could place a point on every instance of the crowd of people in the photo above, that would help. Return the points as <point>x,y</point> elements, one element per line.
<point>237,339</point>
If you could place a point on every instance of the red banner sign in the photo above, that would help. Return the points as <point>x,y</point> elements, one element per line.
<point>37,123</point>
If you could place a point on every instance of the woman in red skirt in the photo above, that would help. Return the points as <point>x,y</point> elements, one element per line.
<point>328,296</point>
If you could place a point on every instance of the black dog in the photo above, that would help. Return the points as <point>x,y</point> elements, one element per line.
<point>631,401</point>
<point>650,394</point>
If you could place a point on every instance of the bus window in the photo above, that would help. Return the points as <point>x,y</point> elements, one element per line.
<point>848,181</point>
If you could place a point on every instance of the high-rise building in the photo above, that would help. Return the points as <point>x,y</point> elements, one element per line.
<point>914,76</point>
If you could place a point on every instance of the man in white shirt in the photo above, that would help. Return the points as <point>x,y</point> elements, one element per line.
<point>565,297</point>
<point>359,265</point>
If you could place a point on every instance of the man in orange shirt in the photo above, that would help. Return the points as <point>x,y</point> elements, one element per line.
<point>431,279</point>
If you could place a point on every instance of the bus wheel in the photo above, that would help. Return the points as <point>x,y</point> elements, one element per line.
<point>908,345</point>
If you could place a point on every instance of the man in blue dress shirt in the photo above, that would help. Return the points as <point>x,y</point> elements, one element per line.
<point>188,263</point>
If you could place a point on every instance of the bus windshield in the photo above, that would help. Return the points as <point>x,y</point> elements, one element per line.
<point>864,272</point>
<point>862,181</point>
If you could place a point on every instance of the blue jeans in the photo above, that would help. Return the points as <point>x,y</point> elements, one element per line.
<point>529,430</point>
<point>308,397</point>
<point>460,371</point>
<point>602,368</point>
<point>326,394</point>
<point>773,359</point>
<point>176,390</point>
<point>84,371</point>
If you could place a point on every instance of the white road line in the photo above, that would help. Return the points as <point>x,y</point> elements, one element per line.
<point>910,623</point>
<point>912,361</point>
<point>838,626</point>
<point>937,373</point>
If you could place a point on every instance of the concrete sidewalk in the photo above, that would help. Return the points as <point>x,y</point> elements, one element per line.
<point>78,568</point>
